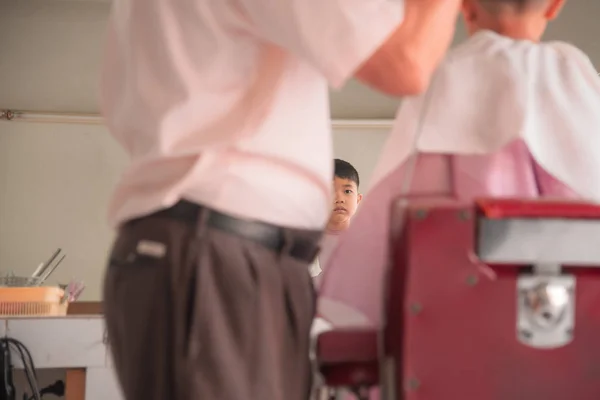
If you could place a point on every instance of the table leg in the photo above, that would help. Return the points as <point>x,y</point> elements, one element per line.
<point>75,384</point>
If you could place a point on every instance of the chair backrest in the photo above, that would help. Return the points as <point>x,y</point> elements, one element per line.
<point>494,300</point>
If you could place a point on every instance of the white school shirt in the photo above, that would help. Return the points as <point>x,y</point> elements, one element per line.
<point>225,103</point>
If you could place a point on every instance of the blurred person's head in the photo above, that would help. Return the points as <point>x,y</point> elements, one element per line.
<point>517,19</point>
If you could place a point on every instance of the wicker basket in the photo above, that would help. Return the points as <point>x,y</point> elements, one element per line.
<point>32,302</point>
<point>19,281</point>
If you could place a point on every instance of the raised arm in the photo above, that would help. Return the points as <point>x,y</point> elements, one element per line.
<point>405,62</point>
<point>391,45</point>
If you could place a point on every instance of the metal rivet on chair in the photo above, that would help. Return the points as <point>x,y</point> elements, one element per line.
<point>412,384</point>
<point>415,308</point>
<point>525,334</point>
<point>569,332</point>
<point>464,215</point>
<point>472,280</point>
<point>420,214</point>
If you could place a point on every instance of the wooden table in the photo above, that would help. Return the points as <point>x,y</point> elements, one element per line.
<point>74,343</point>
<point>75,378</point>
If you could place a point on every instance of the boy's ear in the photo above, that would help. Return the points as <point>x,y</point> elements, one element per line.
<point>468,10</point>
<point>358,198</point>
<point>554,8</point>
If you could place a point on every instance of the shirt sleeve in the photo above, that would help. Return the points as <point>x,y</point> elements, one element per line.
<point>335,36</point>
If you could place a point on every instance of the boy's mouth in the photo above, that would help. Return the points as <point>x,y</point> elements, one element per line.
<point>339,209</point>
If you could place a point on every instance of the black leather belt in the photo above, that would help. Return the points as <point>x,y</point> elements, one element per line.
<point>271,236</point>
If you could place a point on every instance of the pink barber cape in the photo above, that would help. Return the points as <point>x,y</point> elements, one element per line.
<point>502,118</point>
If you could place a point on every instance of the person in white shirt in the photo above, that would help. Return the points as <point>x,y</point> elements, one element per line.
<point>223,108</point>
<point>506,115</point>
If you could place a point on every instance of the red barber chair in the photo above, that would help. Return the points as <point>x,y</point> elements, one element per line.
<point>497,300</point>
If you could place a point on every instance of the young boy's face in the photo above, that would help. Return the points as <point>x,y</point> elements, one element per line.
<point>346,199</point>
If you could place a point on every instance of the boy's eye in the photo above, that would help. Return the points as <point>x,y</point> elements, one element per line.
<point>348,191</point>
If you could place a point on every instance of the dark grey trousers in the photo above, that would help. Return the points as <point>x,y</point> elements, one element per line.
<point>194,312</point>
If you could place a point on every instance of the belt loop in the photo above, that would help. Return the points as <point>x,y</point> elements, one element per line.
<point>202,222</point>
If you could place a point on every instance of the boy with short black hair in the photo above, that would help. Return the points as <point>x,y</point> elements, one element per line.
<point>345,203</point>
<point>346,196</point>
